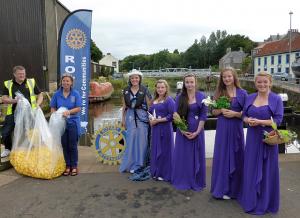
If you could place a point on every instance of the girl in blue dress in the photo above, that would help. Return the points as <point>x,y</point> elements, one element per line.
<point>162,139</point>
<point>188,161</point>
<point>260,193</point>
<point>136,99</point>
<point>228,159</point>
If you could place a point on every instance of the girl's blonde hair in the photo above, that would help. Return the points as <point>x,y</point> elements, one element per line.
<point>167,88</point>
<point>264,73</point>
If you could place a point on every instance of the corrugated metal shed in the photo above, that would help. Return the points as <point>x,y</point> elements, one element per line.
<point>21,38</point>
<point>29,38</point>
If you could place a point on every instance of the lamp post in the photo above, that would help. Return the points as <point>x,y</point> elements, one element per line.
<point>290,48</point>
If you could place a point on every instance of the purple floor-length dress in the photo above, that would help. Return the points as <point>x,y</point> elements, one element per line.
<point>227,168</point>
<point>162,140</point>
<point>188,161</point>
<point>260,193</point>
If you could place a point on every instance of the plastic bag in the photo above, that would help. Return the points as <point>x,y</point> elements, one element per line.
<point>57,124</point>
<point>36,151</point>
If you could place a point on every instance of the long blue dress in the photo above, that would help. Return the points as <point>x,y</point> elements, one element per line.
<point>260,193</point>
<point>162,140</point>
<point>228,160</point>
<point>188,161</point>
<point>136,136</point>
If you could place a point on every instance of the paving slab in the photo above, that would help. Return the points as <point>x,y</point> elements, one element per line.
<point>101,191</point>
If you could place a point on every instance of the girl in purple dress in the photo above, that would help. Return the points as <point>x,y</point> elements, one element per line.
<point>188,161</point>
<point>227,168</point>
<point>260,193</point>
<point>162,140</point>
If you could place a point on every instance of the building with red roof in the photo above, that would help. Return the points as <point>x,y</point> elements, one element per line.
<point>274,56</point>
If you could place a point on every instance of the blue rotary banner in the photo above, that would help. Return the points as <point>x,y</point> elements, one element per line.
<point>74,56</point>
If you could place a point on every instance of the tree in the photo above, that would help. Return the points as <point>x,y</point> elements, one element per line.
<point>191,56</point>
<point>96,53</point>
<point>235,42</point>
<point>246,65</point>
<point>201,54</point>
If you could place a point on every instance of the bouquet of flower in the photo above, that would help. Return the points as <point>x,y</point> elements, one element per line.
<point>221,102</point>
<point>278,136</point>
<point>180,123</point>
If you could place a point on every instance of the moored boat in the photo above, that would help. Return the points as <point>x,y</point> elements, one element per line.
<point>100,91</point>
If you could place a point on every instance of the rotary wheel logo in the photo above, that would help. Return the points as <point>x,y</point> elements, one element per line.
<point>110,144</point>
<point>76,39</point>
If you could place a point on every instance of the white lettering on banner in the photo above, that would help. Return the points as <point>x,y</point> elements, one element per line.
<point>82,110</point>
<point>69,58</point>
<point>69,69</point>
<point>83,86</point>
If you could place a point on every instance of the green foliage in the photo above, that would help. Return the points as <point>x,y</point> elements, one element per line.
<point>118,85</point>
<point>201,54</point>
<point>96,53</point>
<point>180,122</point>
<point>150,83</point>
<point>107,71</point>
<point>222,102</point>
<point>246,65</point>
<point>235,42</point>
<point>102,79</point>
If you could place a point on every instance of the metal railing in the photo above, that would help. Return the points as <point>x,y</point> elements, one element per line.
<point>288,85</point>
<point>175,72</point>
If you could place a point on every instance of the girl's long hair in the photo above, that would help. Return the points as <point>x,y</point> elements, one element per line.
<point>183,104</point>
<point>156,96</point>
<point>221,87</point>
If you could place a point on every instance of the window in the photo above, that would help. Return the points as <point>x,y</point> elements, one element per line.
<point>287,70</point>
<point>279,70</point>
<point>297,54</point>
<point>258,69</point>
<point>279,59</point>
<point>272,60</point>
<point>265,61</point>
<point>272,70</point>
<point>114,64</point>
<point>287,58</point>
<point>258,61</point>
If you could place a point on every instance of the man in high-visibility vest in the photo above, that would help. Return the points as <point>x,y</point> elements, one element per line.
<point>29,89</point>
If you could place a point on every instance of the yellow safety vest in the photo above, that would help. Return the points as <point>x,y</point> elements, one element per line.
<point>30,83</point>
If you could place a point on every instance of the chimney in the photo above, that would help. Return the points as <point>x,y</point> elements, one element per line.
<point>228,50</point>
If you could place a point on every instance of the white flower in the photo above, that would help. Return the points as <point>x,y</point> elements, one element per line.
<point>152,117</point>
<point>207,101</point>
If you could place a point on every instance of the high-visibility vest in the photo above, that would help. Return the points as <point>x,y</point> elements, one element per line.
<point>30,83</point>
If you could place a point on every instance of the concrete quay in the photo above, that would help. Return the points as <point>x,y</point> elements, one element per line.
<point>101,191</point>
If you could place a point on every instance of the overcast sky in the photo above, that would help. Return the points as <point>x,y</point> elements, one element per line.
<point>130,27</point>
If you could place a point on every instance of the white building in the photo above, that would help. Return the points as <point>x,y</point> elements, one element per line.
<point>273,56</point>
<point>111,61</point>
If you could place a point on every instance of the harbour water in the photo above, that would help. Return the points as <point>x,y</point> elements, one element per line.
<point>109,111</point>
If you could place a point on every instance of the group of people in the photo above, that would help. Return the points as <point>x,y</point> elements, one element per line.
<point>65,96</point>
<point>243,170</point>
